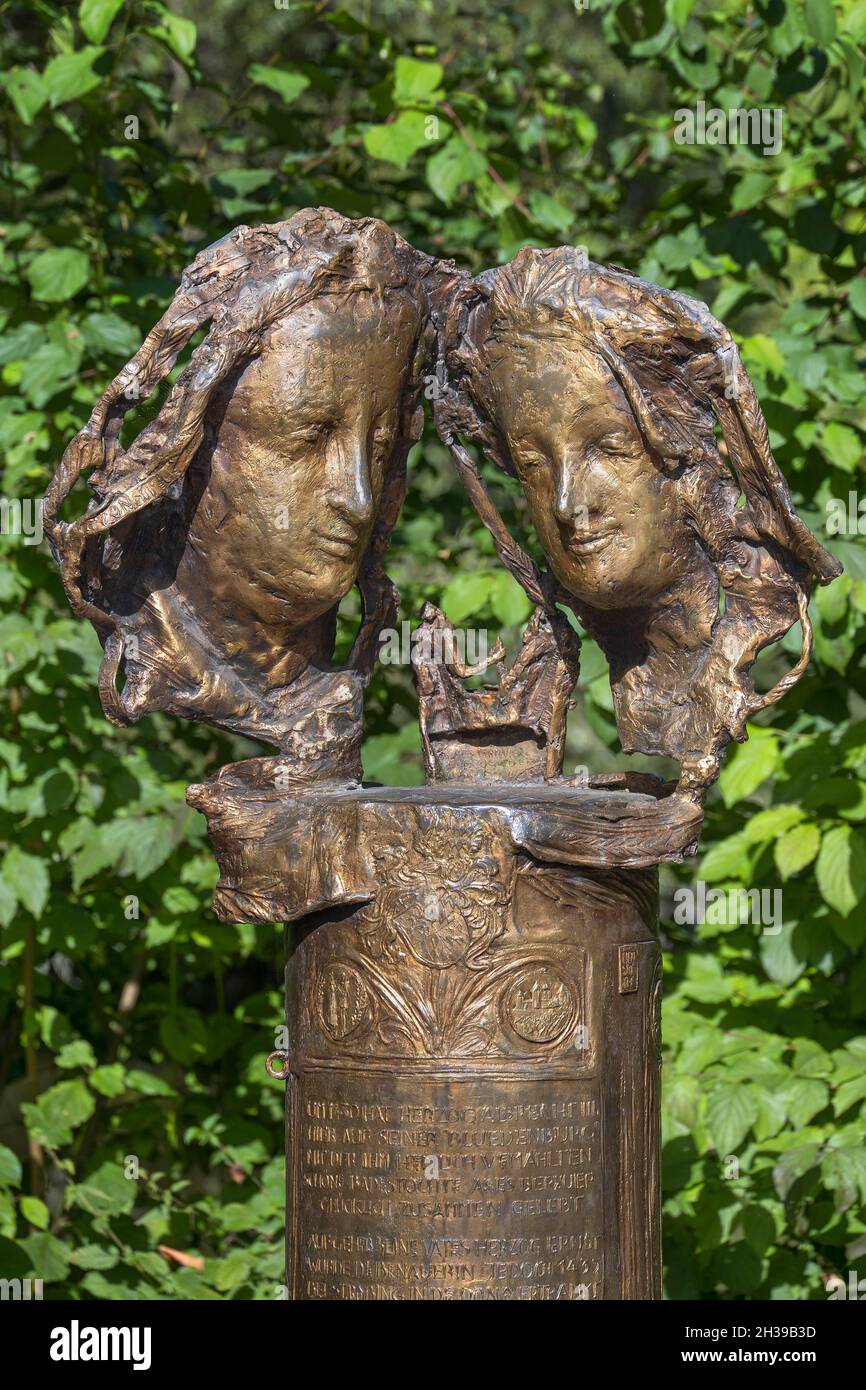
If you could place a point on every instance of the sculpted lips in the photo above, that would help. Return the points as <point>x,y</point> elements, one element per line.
<point>339,541</point>
<point>588,540</point>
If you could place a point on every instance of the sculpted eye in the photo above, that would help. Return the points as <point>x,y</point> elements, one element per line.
<point>312,434</point>
<point>529,459</point>
<point>616,442</point>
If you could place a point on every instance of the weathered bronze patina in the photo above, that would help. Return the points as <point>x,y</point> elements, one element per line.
<point>472,1010</point>
<point>223,538</point>
<point>601,393</point>
<point>474,974</point>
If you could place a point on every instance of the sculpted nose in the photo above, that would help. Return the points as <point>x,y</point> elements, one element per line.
<point>567,501</point>
<point>351,492</point>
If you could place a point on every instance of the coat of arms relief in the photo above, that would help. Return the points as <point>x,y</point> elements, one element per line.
<point>427,970</point>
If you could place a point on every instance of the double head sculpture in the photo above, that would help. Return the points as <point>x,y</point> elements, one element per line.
<point>221,540</point>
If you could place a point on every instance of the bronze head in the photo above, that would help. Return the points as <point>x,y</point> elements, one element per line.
<point>680,552</point>
<point>222,539</point>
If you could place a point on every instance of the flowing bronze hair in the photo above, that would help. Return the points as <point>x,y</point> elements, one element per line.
<point>237,288</point>
<point>681,374</point>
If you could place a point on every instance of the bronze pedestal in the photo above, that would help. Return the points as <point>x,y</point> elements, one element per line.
<point>472,1011</point>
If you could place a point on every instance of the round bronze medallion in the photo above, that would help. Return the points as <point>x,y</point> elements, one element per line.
<point>539,1005</point>
<point>344,1003</point>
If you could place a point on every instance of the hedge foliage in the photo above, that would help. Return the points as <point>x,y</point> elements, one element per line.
<point>134,1025</point>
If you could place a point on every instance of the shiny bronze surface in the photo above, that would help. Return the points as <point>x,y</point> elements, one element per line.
<point>472,992</point>
<point>472,1013</point>
<point>601,393</point>
<point>222,539</point>
<point>473,1098</point>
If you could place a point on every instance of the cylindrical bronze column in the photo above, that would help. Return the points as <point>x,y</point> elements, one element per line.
<point>472,1009</point>
<point>481,1129</point>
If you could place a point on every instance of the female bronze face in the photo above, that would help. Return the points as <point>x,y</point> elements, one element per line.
<point>601,508</point>
<point>601,394</point>
<point>297,462</point>
<point>223,538</point>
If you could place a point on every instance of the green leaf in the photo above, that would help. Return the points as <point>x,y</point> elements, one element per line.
<point>26,91</point>
<point>8,903</point>
<point>764,353</point>
<point>240,182</point>
<point>287,83</point>
<point>844,795</point>
<point>797,848</point>
<point>731,1112</point>
<point>58,1112</point>
<point>50,368</point>
<point>508,600</point>
<point>71,75</point>
<point>15,1263</point>
<point>749,765</point>
<point>804,1097</point>
<point>550,214</point>
<point>178,34</point>
<point>857,296</point>
<point>771,1114</point>
<point>234,1270</point>
<point>105,1192</point>
<point>679,11</point>
<point>821,21</point>
<point>97,16</point>
<point>10,1168</point>
<point>737,1267</point>
<point>782,954</point>
<point>101,850</point>
<point>759,1228</point>
<point>841,444</point>
<point>844,1173</point>
<point>728,858</point>
<point>58,274</point>
<point>49,1257</point>
<point>27,876</point>
<point>107,332</point>
<point>466,595</point>
<point>849,1093</point>
<point>454,164</point>
<point>184,1037</point>
<point>148,1083</point>
<point>766,825</point>
<point>55,1029</point>
<point>35,1212</point>
<point>21,342</point>
<point>94,1257</point>
<point>150,841</point>
<point>76,1054</point>
<point>396,141</point>
<point>109,1080</point>
<point>751,189</point>
<point>841,868</point>
<point>793,1165</point>
<point>416,83</point>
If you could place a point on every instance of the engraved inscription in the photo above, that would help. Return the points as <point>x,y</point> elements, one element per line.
<point>415,1188</point>
<point>628,969</point>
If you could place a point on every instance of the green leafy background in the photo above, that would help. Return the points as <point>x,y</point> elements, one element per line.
<point>134,1026</point>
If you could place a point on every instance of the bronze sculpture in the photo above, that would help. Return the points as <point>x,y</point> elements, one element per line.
<point>473,972</point>
<point>601,393</point>
<point>268,482</point>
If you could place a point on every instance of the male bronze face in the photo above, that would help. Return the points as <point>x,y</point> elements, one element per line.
<point>223,539</point>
